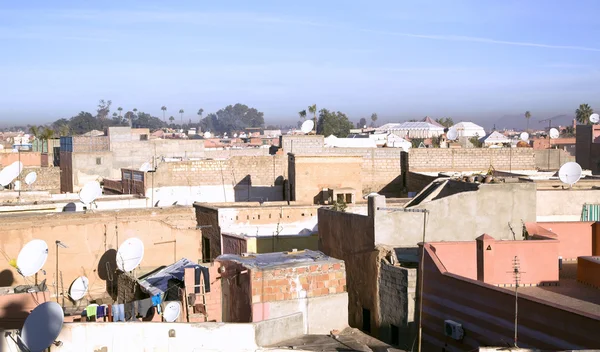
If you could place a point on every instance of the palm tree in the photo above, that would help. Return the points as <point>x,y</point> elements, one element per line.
<point>34,130</point>
<point>120,110</point>
<point>164,109</point>
<point>302,115</point>
<point>200,112</point>
<point>64,130</point>
<point>181,112</point>
<point>47,133</point>
<point>115,114</point>
<point>171,119</point>
<point>527,117</point>
<point>582,114</point>
<point>373,119</point>
<point>313,110</point>
<point>135,111</point>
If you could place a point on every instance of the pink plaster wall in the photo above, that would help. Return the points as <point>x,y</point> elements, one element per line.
<point>538,261</point>
<point>14,308</point>
<point>588,271</point>
<point>575,237</point>
<point>459,258</point>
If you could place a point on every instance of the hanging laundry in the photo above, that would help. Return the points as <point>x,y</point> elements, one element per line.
<point>144,306</point>
<point>100,311</point>
<point>204,271</point>
<point>90,311</point>
<point>118,312</point>
<point>130,311</point>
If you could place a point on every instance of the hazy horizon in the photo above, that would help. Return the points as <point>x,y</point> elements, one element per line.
<point>464,59</point>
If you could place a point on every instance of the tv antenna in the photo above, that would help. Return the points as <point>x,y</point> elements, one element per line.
<point>570,173</point>
<point>42,327</point>
<point>517,277</point>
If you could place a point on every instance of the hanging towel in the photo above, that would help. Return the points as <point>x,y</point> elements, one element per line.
<point>109,313</point>
<point>130,309</point>
<point>90,310</point>
<point>156,300</point>
<point>100,311</point>
<point>143,307</point>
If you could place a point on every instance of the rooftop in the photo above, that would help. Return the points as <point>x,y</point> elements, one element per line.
<point>569,293</point>
<point>268,261</point>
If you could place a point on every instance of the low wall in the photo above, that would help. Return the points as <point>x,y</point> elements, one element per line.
<point>471,159</point>
<point>552,159</point>
<point>564,205</point>
<point>48,179</point>
<point>575,238</point>
<point>458,258</point>
<point>27,158</point>
<point>588,271</point>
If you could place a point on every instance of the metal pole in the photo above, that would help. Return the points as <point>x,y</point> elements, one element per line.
<point>56,274</point>
<point>422,265</point>
<point>20,170</point>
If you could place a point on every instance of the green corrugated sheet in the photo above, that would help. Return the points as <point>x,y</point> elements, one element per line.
<point>590,212</point>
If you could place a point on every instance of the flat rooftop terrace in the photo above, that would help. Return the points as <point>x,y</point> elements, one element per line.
<point>569,293</point>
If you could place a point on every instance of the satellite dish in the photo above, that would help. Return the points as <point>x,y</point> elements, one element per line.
<point>235,135</point>
<point>206,134</point>
<point>30,178</point>
<point>570,173</point>
<point>524,136</point>
<point>9,173</point>
<point>364,126</point>
<point>594,118</point>
<point>130,254</point>
<point>452,134</point>
<point>32,257</point>
<point>307,126</point>
<point>554,133</point>
<point>42,326</point>
<point>172,311</point>
<point>90,192</point>
<point>79,288</point>
<point>17,185</point>
<point>146,167</point>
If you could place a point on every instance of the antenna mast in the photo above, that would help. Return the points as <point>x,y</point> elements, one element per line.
<point>517,276</point>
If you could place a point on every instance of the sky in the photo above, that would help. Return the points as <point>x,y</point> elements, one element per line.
<point>469,60</point>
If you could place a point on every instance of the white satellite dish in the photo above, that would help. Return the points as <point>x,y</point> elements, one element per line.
<point>594,118</point>
<point>524,136</point>
<point>146,167</point>
<point>452,134</point>
<point>17,185</point>
<point>207,134</point>
<point>554,133</point>
<point>32,257</point>
<point>42,326</point>
<point>30,178</point>
<point>570,173</point>
<point>79,288</point>
<point>172,311</point>
<point>130,254</point>
<point>90,192</point>
<point>307,126</point>
<point>9,173</point>
<point>235,135</point>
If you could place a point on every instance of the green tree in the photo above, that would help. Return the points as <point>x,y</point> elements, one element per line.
<point>233,118</point>
<point>361,123</point>
<point>84,122</point>
<point>47,133</point>
<point>143,120</point>
<point>313,110</point>
<point>445,121</point>
<point>34,131</point>
<point>135,110</point>
<point>302,115</point>
<point>115,115</point>
<point>171,119</point>
<point>416,142</point>
<point>64,130</point>
<point>582,114</point>
<point>164,110</point>
<point>181,113</point>
<point>120,110</point>
<point>527,117</point>
<point>333,123</point>
<point>373,119</point>
<point>476,142</point>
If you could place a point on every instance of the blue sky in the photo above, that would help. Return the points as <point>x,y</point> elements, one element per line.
<point>402,59</point>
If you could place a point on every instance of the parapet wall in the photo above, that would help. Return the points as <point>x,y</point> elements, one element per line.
<point>471,159</point>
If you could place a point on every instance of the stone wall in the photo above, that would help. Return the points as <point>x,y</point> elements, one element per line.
<point>48,179</point>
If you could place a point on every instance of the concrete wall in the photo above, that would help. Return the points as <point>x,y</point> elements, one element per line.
<point>310,174</point>
<point>173,336</point>
<point>85,168</point>
<point>482,311</point>
<point>92,237</point>
<point>588,271</point>
<point>462,216</point>
<point>574,238</point>
<point>27,158</point>
<point>552,159</point>
<point>15,307</point>
<point>564,205</point>
<point>48,179</point>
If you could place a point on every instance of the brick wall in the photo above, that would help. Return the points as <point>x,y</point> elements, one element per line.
<point>282,284</point>
<point>397,295</point>
<point>212,299</point>
<point>228,153</point>
<point>471,159</point>
<point>263,170</point>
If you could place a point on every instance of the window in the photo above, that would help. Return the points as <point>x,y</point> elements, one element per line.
<point>143,137</point>
<point>366,325</point>
<point>205,250</point>
<point>98,161</point>
<point>348,198</point>
<point>395,335</point>
<point>340,198</point>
